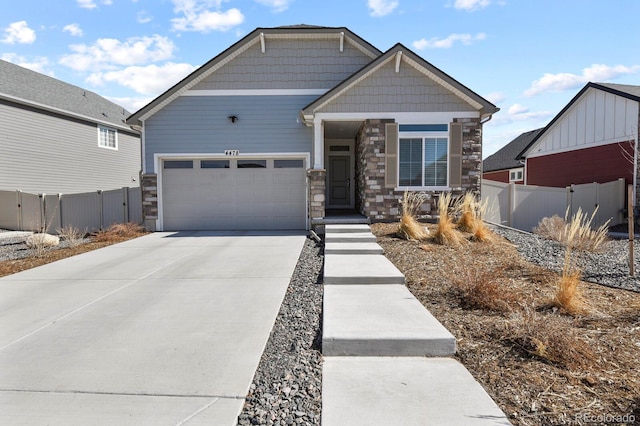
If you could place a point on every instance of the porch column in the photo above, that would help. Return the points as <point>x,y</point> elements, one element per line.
<point>318,144</point>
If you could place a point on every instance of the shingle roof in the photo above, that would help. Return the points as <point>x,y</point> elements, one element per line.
<point>38,90</point>
<point>507,156</point>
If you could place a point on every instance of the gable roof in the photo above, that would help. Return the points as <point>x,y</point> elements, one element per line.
<point>507,156</point>
<point>625,90</point>
<point>240,46</point>
<point>406,55</point>
<point>27,87</point>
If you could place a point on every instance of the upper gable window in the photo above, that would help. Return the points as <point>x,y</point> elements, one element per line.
<point>107,138</point>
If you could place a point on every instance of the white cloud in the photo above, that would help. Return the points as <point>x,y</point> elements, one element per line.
<point>565,81</point>
<point>276,5</point>
<point>73,29</point>
<point>197,16</point>
<point>19,32</point>
<point>517,113</point>
<point>495,97</point>
<point>131,104</point>
<point>471,5</point>
<point>446,43</point>
<point>38,64</point>
<point>144,17</point>
<point>148,80</point>
<point>381,7</point>
<point>107,53</point>
<point>91,4</point>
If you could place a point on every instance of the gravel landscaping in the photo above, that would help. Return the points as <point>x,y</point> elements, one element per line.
<point>608,267</point>
<point>287,386</point>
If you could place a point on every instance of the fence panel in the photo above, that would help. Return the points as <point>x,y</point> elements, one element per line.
<point>31,212</point>
<point>498,199</point>
<point>113,207</point>
<point>135,205</point>
<point>532,203</point>
<point>82,211</point>
<point>9,210</point>
<point>52,213</point>
<point>611,199</point>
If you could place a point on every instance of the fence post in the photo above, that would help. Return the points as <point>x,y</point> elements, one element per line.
<point>125,204</point>
<point>19,210</point>
<point>60,208</point>
<point>512,202</point>
<point>101,209</point>
<point>631,231</point>
<point>43,218</point>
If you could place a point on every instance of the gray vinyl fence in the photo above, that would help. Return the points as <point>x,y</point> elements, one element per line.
<point>90,211</point>
<point>523,206</point>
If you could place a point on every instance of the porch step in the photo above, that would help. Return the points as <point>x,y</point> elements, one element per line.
<point>351,237</point>
<point>360,269</point>
<point>352,248</point>
<point>408,391</point>
<point>380,320</point>
<point>347,228</point>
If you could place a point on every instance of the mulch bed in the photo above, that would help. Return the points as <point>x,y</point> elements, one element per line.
<point>540,364</point>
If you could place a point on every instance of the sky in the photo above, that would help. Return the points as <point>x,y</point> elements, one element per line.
<point>529,57</point>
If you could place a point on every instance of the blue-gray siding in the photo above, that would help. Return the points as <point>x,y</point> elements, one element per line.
<point>200,124</point>
<point>41,152</point>
<point>406,91</point>
<point>288,64</point>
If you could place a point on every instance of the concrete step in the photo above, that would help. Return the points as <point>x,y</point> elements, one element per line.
<point>354,237</point>
<point>380,320</point>
<point>352,248</point>
<point>347,228</point>
<point>360,269</point>
<point>408,391</point>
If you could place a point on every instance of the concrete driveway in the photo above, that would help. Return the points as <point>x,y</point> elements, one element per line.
<point>166,329</point>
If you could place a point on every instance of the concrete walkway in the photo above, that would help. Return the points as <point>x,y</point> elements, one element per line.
<point>167,329</point>
<point>385,354</point>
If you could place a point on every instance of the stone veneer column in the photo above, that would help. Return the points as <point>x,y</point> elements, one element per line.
<point>317,184</point>
<point>149,201</point>
<point>471,155</point>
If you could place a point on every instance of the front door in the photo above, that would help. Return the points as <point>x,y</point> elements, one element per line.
<point>339,182</point>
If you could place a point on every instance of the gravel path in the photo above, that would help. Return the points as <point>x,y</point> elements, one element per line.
<point>13,248</point>
<point>287,386</point>
<point>608,267</point>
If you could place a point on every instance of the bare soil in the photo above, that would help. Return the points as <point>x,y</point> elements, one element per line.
<point>541,365</point>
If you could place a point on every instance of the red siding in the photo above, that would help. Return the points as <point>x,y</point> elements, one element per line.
<point>599,164</point>
<point>499,176</point>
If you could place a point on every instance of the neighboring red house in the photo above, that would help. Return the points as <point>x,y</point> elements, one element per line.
<point>592,139</point>
<point>504,166</point>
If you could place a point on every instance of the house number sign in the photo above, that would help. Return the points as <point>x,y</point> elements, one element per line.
<point>231,152</point>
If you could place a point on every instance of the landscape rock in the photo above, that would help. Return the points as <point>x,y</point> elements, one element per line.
<point>42,240</point>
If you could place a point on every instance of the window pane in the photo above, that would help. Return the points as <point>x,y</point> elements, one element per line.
<point>339,148</point>
<point>410,162</point>
<point>435,161</point>
<point>178,164</point>
<point>107,137</point>
<point>288,164</point>
<point>214,164</point>
<point>252,164</point>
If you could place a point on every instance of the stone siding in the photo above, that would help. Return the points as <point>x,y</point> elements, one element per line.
<point>317,184</point>
<point>379,203</point>
<point>149,200</point>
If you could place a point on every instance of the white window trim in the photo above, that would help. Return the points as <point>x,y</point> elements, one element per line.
<point>115,131</point>
<point>516,171</point>
<point>423,135</point>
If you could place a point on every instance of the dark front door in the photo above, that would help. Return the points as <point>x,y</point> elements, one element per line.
<point>339,187</point>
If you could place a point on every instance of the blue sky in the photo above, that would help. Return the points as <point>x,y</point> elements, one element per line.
<point>528,57</point>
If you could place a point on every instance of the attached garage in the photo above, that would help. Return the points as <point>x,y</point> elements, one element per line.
<point>233,193</point>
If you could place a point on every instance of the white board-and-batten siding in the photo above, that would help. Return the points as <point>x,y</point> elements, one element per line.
<point>597,118</point>
<point>46,153</point>
<point>201,125</point>
<point>288,64</point>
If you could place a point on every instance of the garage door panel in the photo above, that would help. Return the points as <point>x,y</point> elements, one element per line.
<point>234,198</point>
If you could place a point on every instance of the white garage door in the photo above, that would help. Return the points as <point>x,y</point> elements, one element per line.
<point>233,194</point>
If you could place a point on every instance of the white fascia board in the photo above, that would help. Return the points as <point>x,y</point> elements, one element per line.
<point>65,112</point>
<point>256,92</point>
<point>400,117</point>
<point>143,149</point>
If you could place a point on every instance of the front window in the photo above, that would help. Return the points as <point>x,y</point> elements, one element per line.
<point>516,175</point>
<point>107,138</point>
<point>423,159</point>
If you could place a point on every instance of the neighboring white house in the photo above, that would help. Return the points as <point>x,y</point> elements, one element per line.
<point>60,138</point>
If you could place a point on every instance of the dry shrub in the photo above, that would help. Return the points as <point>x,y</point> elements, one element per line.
<point>568,296</point>
<point>118,232</point>
<point>481,289</point>
<point>446,232</point>
<point>410,228</point>
<point>577,233</point>
<point>73,236</point>
<point>471,213</point>
<point>550,340</point>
